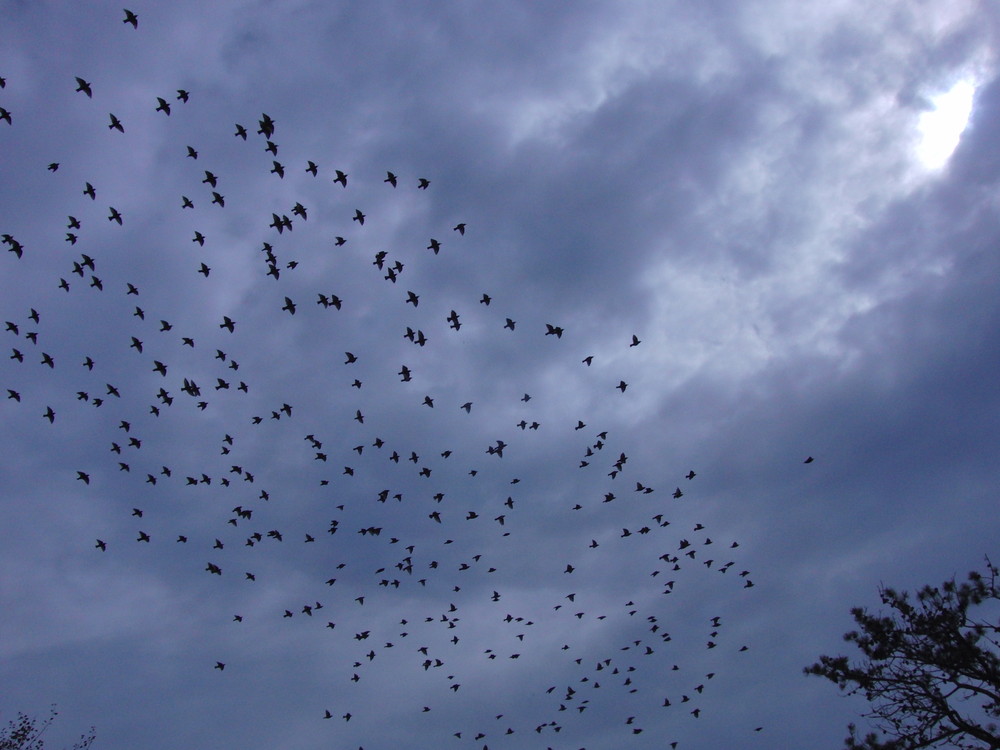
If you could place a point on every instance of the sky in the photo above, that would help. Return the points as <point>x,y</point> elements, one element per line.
<point>760,194</point>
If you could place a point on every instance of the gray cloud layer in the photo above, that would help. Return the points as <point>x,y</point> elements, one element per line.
<point>734,183</point>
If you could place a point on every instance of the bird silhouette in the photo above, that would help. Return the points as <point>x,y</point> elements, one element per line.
<point>265,125</point>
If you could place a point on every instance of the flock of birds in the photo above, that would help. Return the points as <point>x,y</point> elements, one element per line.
<point>408,525</point>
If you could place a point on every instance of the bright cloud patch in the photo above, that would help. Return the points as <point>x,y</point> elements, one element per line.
<point>942,127</point>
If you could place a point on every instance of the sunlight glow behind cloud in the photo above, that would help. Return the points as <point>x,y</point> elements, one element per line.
<point>942,127</point>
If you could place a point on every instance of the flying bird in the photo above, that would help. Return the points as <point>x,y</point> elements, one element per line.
<point>281,223</point>
<point>84,86</point>
<point>266,125</point>
<point>116,124</point>
<point>131,18</point>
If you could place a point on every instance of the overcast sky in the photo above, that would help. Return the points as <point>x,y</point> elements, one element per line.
<point>755,191</point>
